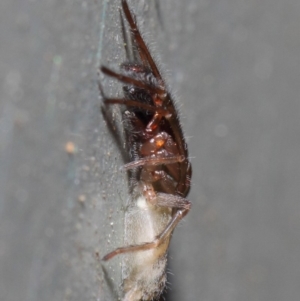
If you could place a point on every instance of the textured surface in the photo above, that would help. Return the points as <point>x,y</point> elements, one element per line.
<point>236,68</point>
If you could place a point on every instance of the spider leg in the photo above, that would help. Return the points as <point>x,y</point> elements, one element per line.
<point>172,201</point>
<point>143,50</point>
<point>150,161</point>
<point>131,81</point>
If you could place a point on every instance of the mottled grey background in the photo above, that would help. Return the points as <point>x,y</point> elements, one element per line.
<point>235,66</point>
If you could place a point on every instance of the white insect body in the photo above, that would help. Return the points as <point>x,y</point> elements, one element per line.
<point>144,272</point>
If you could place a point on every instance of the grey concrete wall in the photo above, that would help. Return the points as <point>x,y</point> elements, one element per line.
<point>235,68</point>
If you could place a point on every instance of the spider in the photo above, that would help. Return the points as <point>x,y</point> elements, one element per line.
<point>159,167</point>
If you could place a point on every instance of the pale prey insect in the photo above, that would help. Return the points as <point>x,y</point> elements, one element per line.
<point>159,167</point>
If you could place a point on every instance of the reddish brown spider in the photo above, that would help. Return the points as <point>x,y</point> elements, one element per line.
<point>159,163</point>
